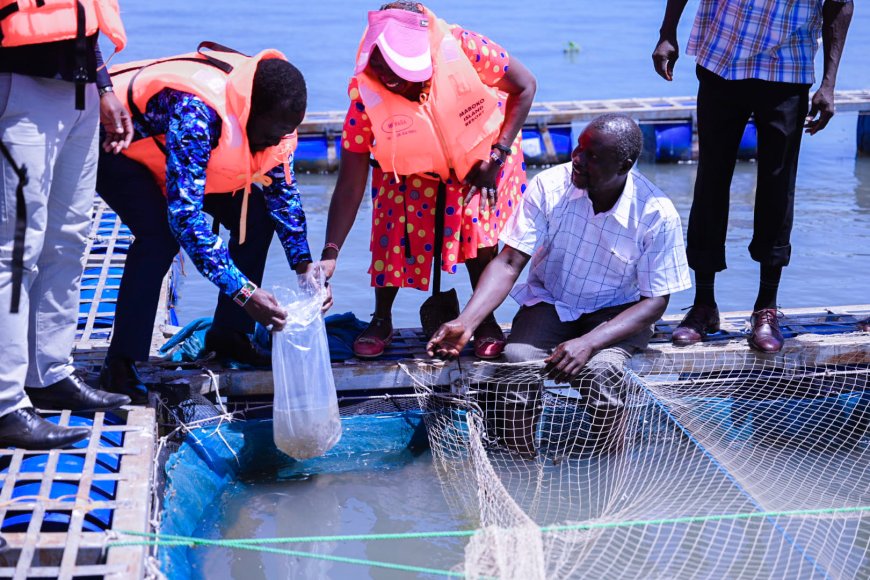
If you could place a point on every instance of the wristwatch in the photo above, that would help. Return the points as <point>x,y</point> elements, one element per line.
<point>503,148</point>
<point>106,89</point>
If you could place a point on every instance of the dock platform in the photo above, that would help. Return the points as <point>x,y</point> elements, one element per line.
<point>551,130</point>
<point>816,335</point>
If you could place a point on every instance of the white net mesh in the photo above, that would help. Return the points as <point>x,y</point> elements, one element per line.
<point>725,469</point>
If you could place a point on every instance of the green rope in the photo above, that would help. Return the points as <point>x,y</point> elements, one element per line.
<point>196,542</point>
<point>466,533</point>
<point>701,519</point>
<point>257,544</point>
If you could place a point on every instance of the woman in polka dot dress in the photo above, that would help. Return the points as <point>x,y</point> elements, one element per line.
<point>399,57</point>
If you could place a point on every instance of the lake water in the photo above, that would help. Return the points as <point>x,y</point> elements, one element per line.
<point>832,225</point>
<point>353,502</point>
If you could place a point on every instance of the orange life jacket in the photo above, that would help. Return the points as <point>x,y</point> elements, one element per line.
<point>224,83</point>
<point>39,21</point>
<point>452,129</point>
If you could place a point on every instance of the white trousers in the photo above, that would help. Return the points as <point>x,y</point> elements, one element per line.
<point>58,145</point>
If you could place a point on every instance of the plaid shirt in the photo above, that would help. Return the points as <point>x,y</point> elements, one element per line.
<point>772,40</point>
<point>583,261</point>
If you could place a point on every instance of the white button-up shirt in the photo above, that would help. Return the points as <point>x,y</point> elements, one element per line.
<point>583,261</point>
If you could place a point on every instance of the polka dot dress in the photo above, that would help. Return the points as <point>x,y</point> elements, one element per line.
<point>403,217</point>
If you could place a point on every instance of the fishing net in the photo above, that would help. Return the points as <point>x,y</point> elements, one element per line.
<point>710,468</point>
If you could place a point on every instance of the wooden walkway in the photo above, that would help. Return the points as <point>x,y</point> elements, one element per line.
<point>817,337</point>
<point>821,335</point>
<point>565,112</point>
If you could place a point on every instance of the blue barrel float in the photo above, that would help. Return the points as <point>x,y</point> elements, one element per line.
<point>98,520</point>
<point>863,132</point>
<point>665,141</point>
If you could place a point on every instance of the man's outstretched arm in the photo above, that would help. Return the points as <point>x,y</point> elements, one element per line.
<point>495,284</point>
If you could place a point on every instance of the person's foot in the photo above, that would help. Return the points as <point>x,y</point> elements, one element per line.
<point>237,346</point>
<point>374,339</point>
<point>25,429</point>
<point>488,339</point>
<point>701,320</point>
<point>119,375</point>
<point>765,335</point>
<point>72,393</point>
<point>864,325</point>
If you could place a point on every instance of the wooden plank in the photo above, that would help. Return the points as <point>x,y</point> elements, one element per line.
<point>135,495</point>
<point>83,497</point>
<point>734,352</point>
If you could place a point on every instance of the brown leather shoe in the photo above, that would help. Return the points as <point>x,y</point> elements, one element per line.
<point>700,321</point>
<point>765,335</point>
<point>864,325</point>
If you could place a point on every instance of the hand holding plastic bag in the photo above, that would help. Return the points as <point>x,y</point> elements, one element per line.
<point>306,419</point>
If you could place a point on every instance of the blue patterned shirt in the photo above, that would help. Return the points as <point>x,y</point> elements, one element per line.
<point>772,40</point>
<point>192,130</point>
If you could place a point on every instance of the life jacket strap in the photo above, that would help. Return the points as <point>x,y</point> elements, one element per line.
<point>80,75</point>
<point>20,230</point>
<point>136,112</point>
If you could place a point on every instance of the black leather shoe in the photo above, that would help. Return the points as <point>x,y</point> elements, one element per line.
<point>73,394</point>
<point>235,345</point>
<point>27,430</point>
<point>119,375</point>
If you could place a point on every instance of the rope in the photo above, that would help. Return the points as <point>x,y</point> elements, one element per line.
<point>168,539</point>
<point>243,545</point>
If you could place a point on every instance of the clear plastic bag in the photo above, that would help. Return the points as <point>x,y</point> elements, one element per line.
<point>306,419</point>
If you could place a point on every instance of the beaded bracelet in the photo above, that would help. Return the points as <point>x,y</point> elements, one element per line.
<point>244,294</point>
<point>332,245</point>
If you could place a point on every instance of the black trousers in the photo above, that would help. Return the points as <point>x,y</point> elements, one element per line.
<point>130,189</point>
<point>723,109</point>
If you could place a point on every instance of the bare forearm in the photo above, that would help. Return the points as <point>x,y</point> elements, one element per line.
<point>836,17</point>
<point>347,197</point>
<point>673,13</point>
<point>521,86</point>
<point>495,284</point>
<point>628,323</point>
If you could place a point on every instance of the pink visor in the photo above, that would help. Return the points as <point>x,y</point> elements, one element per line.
<point>403,39</point>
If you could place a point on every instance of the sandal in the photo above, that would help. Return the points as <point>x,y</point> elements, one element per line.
<point>374,339</point>
<point>489,339</point>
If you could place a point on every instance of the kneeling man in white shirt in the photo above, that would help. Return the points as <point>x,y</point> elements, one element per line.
<point>607,251</point>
